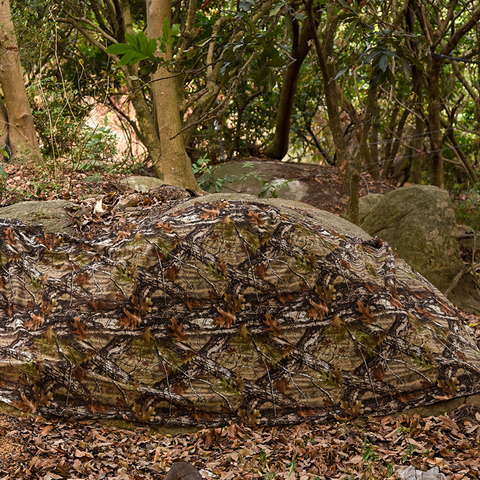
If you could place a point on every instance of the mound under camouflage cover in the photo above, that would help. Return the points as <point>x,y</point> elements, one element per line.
<point>222,311</point>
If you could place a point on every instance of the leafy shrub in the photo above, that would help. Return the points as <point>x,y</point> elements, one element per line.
<point>467,205</point>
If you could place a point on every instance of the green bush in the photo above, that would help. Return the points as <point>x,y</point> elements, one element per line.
<point>467,205</point>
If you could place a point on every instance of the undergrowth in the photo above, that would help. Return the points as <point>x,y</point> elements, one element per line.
<point>467,205</point>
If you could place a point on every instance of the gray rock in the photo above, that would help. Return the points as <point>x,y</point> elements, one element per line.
<point>255,178</point>
<point>51,214</point>
<point>419,223</point>
<point>365,204</point>
<point>142,184</point>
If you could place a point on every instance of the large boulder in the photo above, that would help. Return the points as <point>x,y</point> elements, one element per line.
<point>223,309</point>
<point>142,183</point>
<point>52,215</point>
<point>266,178</point>
<point>418,222</point>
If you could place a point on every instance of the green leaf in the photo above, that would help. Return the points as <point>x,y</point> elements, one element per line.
<point>349,32</point>
<point>175,30</point>
<point>166,29</point>
<point>119,48</point>
<point>151,47</point>
<point>131,58</point>
<point>383,63</point>
<point>406,68</point>
<point>340,73</point>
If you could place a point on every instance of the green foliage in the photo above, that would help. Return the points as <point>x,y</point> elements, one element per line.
<point>209,182</point>
<point>3,174</point>
<point>467,205</point>
<point>139,48</point>
<point>94,145</point>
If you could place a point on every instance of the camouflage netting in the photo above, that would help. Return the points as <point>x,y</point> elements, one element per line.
<point>222,311</point>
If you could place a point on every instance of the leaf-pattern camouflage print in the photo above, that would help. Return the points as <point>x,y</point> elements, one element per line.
<point>220,311</point>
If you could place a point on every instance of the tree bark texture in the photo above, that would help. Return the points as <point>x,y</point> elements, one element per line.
<point>23,143</point>
<point>301,46</point>
<point>221,311</point>
<point>174,166</point>
<point>326,59</point>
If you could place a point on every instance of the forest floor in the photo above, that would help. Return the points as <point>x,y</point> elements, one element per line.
<point>366,448</point>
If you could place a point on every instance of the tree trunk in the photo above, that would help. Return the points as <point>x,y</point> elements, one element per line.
<point>326,58</point>
<point>434,121</point>
<point>21,130</point>
<point>174,165</point>
<point>300,48</point>
<point>364,150</point>
<point>4,141</point>
<point>417,141</point>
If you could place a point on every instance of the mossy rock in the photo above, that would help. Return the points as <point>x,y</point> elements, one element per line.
<point>418,222</point>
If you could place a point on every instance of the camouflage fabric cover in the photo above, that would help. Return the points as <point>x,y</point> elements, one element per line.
<point>222,311</point>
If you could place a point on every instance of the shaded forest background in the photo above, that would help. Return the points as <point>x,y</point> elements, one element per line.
<point>388,88</point>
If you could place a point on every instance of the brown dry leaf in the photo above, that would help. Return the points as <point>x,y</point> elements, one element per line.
<point>144,414</point>
<point>171,273</point>
<point>254,217</point>
<point>285,297</point>
<point>82,279</point>
<point>35,322</point>
<point>148,337</point>
<point>165,227</point>
<point>227,317</point>
<point>210,214</point>
<point>178,330</point>
<point>449,386</point>
<point>143,306</point>
<point>424,312</point>
<point>395,301</point>
<point>281,384</point>
<point>318,310</point>
<point>273,325</point>
<point>80,328</point>
<point>338,323</point>
<point>42,397</point>
<point>131,321</point>
<point>192,303</point>
<point>260,271</point>
<point>10,236</point>
<point>49,334</point>
<point>378,372</point>
<point>365,312</point>
<point>355,409</point>
<point>179,388</point>
<point>326,293</point>
<point>461,355</point>
<point>25,404</point>
<point>251,418</point>
<point>220,204</point>
<point>49,306</point>
<point>236,303</point>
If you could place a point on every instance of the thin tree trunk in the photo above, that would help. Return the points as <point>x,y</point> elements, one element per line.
<point>392,148</point>
<point>434,121</point>
<point>461,154</point>
<point>417,141</point>
<point>147,128</point>
<point>364,150</point>
<point>4,128</point>
<point>21,129</point>
<point>174,165</point>
<point>300,48</point>
<point>374,139</point>
<point>326,58</point>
